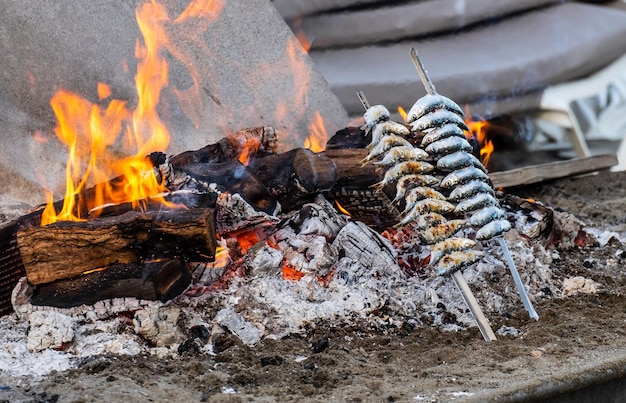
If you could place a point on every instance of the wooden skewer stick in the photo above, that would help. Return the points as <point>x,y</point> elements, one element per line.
<point>459,280</point>
<point>363,99</point>
<point>470,300</point>
<point>428,84</point>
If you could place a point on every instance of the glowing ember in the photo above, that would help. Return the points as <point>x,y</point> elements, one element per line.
<point>290,273</point>
<point>91,131</point>
<point>316,141</point>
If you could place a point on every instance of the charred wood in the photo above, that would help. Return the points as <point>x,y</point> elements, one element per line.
<point>159,280</point>
<point>353,189</point>
<point>256,141</point>
<point>233,177</point>
<point>65,249</point>
<point>296,176</point>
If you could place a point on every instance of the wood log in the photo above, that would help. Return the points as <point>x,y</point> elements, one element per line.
<point>234,177</point>
<point>353,189</point>
<point>159,280</point>
<point>296,176</point>
<point>552,170</point>
<point>66,249</point>
<point>257,141</point>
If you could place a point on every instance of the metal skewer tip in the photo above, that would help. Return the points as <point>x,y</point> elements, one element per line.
<point>428,85</point>
<point>363,99</point>
<point>470,300</point>
<point>518,281</point>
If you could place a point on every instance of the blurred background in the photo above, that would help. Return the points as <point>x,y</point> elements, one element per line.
<point>543,79</point>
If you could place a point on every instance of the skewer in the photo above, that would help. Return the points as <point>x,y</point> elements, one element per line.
<point>363,99</point>
<point>457,276</point>
<point>470,300</point>
<point>428,84</point>
<point>518,281</point>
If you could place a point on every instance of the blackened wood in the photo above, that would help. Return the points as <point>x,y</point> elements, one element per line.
<point>257,140</point>
<point>234,177</point>
<point>66,249</point>
<point>353,189</point>
<point>349,137</point>
<point>11,264</point>
<point>160,280</point>
<point>294,177</point>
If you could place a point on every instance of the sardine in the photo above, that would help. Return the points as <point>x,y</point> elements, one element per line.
<point>441,231</point>
<point>403,153</point>
<point>440,249</point>
<point>430,103</point>
<point>470,189</point>
<point>493,229</point>
<point>408,181</point>
<point>458,260</point>
<point>475,202</point>
<point>404,168</point>
<point>386,128</point>
<point>440,133</point>
<point>485,215</point>
<point>459,160</point>
<point>462,176</point>
<point>449,145</point>
<point>438,119</point>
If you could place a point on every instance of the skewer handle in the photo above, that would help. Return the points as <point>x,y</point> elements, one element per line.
<point>421,70</point>
<point>470,300</point>
<point>363,99</point>
<point>517,279</point>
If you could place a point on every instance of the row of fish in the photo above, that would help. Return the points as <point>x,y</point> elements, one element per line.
<point>443,150</point>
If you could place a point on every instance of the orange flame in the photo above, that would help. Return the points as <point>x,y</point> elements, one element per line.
<point>341,209</point>
<point>104,91</point>
<point>316,141</point>
<point>301,36</point>
<point>402,113</point>
<point>478,130</point>
<point>89,131</point>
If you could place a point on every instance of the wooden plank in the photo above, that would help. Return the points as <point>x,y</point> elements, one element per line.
<point>552,170</point>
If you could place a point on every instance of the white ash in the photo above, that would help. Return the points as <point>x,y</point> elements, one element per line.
<point>159,325</point>
<point>579,284</point>
<point>49,329</point>
<point>247,333</point>
<point>234,213</point>
<point>604,237</point>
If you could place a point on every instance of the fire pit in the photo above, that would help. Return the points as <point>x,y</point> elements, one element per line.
<point>239,258</point>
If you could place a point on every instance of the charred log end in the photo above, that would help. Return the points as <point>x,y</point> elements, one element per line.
<point>153,281</point>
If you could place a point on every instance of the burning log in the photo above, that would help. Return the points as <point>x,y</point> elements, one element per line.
<point>253,141</point>
<point>159,280</point>
<point>294,177</point>
<point>233,177</point>
<point>66,249</point>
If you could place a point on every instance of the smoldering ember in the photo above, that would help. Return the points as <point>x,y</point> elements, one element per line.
<point>277,262</point>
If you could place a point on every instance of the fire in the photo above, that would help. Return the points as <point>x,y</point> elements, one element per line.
<point>301,36</point>
<point>316,141</point>
<point>95,133</point>
<point>341,209</point>
<point>402,113</point>
<point>478,130</point>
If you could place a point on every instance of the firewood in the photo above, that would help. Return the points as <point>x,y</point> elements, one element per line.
<point>256,140</point>
<point>67,249</point>
<point>353,189</point>
<point>234,177</point>
<point>296,176</point>
<point>159,280</point>
<point>552,170</point>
